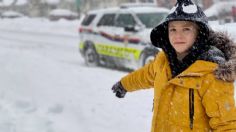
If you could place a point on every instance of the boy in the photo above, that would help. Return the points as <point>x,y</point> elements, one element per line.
<point>192,77</point>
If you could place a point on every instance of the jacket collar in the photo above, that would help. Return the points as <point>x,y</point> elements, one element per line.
<point>199,67</point>
<point>192,76</point>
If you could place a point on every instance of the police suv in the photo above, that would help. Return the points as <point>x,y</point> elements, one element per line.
<point>119,37</point>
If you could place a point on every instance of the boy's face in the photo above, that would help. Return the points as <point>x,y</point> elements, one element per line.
<point>182,35</point>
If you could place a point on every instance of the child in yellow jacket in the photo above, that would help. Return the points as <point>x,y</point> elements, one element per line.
<point>192,77</point>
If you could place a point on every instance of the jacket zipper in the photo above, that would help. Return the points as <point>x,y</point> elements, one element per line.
<point>191,107</point>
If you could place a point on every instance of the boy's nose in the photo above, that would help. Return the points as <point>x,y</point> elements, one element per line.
<point>179,35</point>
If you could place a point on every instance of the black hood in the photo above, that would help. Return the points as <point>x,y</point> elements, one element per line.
<point>184,10</point>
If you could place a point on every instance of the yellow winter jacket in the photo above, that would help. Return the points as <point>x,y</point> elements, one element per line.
<point>214,106</point>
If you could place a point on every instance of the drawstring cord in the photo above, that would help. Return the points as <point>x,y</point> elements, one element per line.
<point>191,107</point>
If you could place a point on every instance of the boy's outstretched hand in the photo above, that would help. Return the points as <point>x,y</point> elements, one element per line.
<point>119,90</point>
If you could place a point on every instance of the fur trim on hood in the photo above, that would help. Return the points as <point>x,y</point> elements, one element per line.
<point>225,71</point>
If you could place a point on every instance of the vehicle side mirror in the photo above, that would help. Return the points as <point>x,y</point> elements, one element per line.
<point>131,28</point>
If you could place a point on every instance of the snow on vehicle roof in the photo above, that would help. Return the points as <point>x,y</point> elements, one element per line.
<point>147,9</point>
<point>138,5</point>
<point>105,10</point>
<point>62,12</point>
<point>11,13</point>
<point>130,9</point>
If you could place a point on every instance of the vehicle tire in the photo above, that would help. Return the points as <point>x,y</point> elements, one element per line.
<point>146,58</point>
<point>91,57</point>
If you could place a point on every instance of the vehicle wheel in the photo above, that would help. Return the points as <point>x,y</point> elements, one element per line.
<point>91,57</point>
<point>146,58</point>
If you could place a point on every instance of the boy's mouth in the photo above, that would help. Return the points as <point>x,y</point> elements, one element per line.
<point>179,43</point>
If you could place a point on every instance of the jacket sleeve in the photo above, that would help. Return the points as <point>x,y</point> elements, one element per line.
<point>219,104</point>
<point>144,77</point>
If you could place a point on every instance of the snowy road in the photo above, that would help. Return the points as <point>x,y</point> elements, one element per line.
<point>33,85</point>
<point>45,87</point>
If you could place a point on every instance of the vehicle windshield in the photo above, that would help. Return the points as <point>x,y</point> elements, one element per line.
<point>151,20</point>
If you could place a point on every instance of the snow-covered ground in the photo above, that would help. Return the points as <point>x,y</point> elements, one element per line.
<point>46,87</point>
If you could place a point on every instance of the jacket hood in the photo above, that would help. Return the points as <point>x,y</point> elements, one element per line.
<point>222,50</point>
<point>226,69</point>
<point>184,10</point>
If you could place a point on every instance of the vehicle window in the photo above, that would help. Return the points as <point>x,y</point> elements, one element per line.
<point>88,19</point>
<point>151,20</point>
<point>125,20</point>
<point>107,20</point>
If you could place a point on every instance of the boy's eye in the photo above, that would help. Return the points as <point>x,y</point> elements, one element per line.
<point>186,29</point>
<point>172,30</point>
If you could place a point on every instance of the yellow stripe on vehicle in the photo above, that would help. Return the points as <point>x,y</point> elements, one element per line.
<point>116,51</point>
<point>81,45</point>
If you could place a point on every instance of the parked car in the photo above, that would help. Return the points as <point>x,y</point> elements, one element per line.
<point>119,36</point>
<point>57,14</point>
<point>11,14</point>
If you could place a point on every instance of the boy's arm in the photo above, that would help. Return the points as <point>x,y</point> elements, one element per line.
<point>140,79</point>
<point>144,77</point>
<point>219,104</point>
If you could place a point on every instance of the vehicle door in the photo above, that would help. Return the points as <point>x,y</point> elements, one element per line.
<point>126,33</point>
<point>106,44</point>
